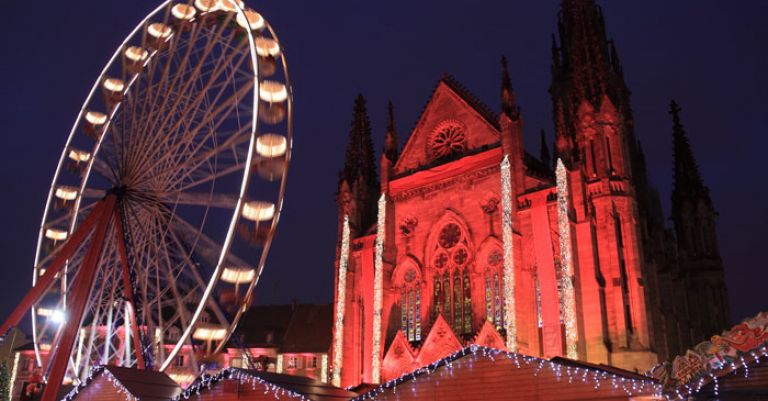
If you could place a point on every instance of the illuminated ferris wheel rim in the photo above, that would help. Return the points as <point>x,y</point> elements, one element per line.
<point>246,18</point>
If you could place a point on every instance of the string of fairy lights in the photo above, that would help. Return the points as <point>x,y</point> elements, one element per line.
<point>243,377</point>
<point>96,372</point>
<point>378,287</point>
<point>338,328</point>
<point>510,323</point>
<point>566,262</point>
<point>686,390</point>
<point>562,372</point>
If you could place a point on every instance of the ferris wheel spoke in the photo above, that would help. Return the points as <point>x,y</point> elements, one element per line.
<point>191,165</point>
<point>198,278</point>
<point>212,199</point>
<point>185,139</point>
<point>188,136</point>
<point>209,47</point>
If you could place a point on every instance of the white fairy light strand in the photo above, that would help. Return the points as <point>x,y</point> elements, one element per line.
<point>566,263</point>
<point>13,374</point>
<point>510,324</point>
<point>243,377</point>
<point>324,368</point>
<point>581,374</point>
<point>338,332</point>
<point>378,283</point>
<point>96,372</point>
<point>687,390</point>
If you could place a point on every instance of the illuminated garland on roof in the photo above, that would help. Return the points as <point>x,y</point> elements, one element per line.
<point>562,371</point>
<point>243,376</point>
<point>378,283</point>
<point>566,263</point>
<point>338,328</point>
<point>731,350</point>
<point>96,372</point>
<point>510,324</point>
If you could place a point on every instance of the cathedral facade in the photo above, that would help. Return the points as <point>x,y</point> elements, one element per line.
<point>462,236</point>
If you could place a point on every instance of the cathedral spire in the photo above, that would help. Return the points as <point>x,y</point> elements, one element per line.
<point>544,151</point>
<point>508,103</point>
<point>360,160</point>
<point>390,140</point>
<point>359,171</point>
<point>688,181</point>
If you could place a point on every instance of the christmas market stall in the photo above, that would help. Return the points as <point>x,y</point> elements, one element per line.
<point>729,367</point>
<point>482,373</point>
<point>113,383</point>
<point>251,385</point>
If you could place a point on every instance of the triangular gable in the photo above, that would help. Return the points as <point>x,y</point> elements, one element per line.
<point>449,106</point>
<point>489,337</point>
<point>399,358</point>
<point>440,342</point>
<point>131,384</point>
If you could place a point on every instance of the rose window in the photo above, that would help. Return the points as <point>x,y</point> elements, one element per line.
<point>449,236</point>
<point>448,141</point>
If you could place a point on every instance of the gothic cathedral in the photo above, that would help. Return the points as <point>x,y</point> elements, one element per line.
<point>465,237</point>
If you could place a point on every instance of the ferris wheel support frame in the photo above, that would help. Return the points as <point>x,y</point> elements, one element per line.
<point>80,289</point>
<point>46,280</point>
<point>96,223</point>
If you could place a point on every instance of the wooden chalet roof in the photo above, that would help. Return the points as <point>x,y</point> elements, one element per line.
<point>252,385</point>
<point>488,374</point>
<point>107,383</point>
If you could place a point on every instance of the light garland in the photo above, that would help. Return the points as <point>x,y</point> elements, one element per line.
<point>95,373</point>
<point>338,332</point>
<point>686,390</point>
<point>566,263</point>
<point>13,374</point>
<point>574,374</point>
<point>242,376</point>
<point>378,283</point>
<point>723,354</point>
<point>324,368</point>
<point>510,323</point>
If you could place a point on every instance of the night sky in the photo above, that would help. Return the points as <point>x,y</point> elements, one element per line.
<point>708,55</point>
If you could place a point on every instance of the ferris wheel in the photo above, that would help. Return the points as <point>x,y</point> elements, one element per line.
<point>166,196</point>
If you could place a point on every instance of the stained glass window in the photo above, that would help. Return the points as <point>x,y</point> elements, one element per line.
<point>417,316</point>
<point>411,310</point>
<point>457,328</point>
<point>438,297</point>
<point>488,299</point>
<point>467,304</point>
<point>404,312</point>
<point>410,304</point>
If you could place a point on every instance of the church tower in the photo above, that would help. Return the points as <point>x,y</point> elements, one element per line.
<point>693,214</point>
<point>594,136</point>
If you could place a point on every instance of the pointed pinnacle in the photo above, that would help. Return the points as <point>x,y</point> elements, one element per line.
<point>508,102</point>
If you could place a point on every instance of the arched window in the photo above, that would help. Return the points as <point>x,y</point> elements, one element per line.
<point>410,306</point>
<point>494,307</point>
<point>452,290</point>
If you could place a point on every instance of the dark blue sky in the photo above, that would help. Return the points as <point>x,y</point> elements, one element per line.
<point>709,55</point>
